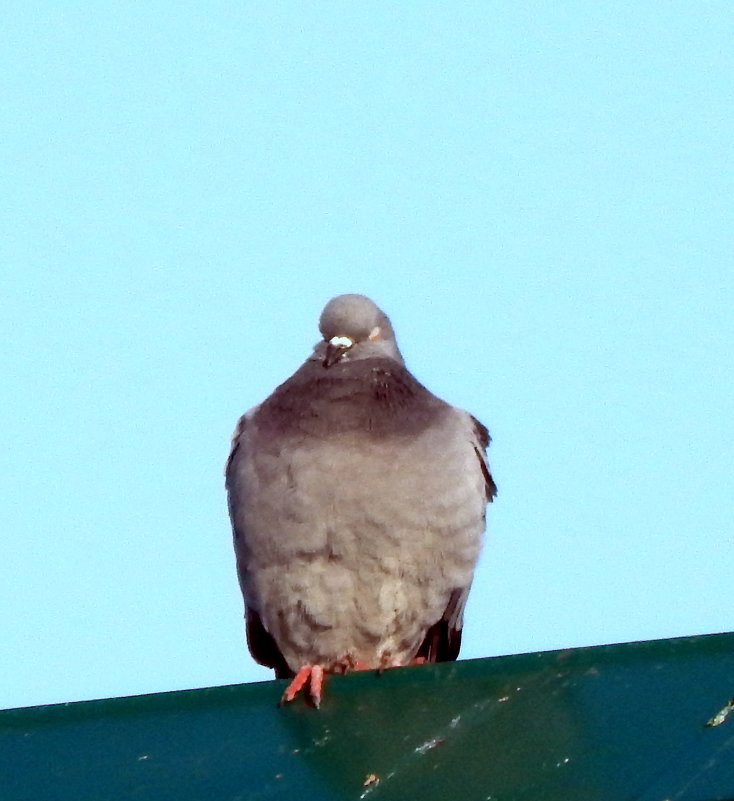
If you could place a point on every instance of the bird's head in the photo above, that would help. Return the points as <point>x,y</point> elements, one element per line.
<point>353,328</point>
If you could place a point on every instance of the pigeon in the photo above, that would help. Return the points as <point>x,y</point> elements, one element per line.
<point>357,500</point>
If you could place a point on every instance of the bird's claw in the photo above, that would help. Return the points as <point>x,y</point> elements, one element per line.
<point>313,675</point>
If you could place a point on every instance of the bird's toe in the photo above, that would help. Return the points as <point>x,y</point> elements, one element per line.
<point>313,675</point>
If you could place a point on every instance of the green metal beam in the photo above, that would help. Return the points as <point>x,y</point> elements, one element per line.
<point>645,721</point>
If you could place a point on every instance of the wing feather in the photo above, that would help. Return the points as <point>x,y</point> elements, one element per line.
<point>443,639</point>
<point>262,646</point>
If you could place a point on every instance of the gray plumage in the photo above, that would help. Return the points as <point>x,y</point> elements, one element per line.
<point>357,502</point>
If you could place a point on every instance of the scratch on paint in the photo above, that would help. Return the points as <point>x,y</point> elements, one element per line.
<point>433,742</point>
<point>465,718</point>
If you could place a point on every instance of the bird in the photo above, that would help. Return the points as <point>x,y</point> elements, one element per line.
<point>357,500</point>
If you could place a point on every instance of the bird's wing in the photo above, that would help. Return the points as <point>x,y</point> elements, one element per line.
<point>262,646</point>
<point>236,444</point>
<point>443,639</point>
<point>480,447</point>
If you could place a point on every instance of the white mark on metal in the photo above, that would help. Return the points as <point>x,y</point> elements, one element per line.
<point>722,714</point>
<point>429,745</point>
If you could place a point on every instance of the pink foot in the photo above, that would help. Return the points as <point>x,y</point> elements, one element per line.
<point>349,664</point>
<point>388,663</point>
<point>311,674</point>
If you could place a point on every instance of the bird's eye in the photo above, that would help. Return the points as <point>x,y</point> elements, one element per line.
<point>341,342</point>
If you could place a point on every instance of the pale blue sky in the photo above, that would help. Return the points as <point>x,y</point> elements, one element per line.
<point>541,197</point>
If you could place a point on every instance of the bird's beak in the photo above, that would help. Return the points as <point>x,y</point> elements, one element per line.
<point>336,347</point>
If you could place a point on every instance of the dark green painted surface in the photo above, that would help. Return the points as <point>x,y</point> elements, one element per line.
<point>612,722</point>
